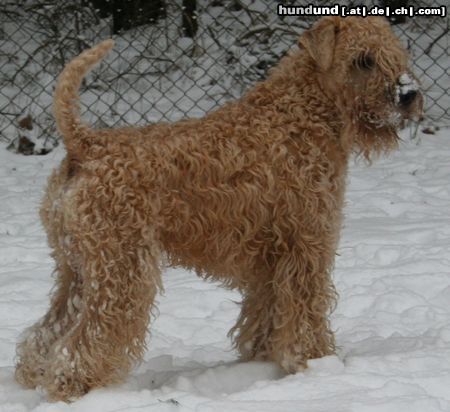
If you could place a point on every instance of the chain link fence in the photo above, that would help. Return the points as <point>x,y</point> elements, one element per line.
<point>182,58</point>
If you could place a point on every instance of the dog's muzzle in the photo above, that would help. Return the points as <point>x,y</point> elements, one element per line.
<point>407,91</point>
<point>408,98</point>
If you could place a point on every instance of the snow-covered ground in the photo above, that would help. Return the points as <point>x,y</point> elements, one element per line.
<point>392,322</point>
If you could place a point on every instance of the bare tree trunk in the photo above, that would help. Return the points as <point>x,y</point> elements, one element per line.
<point>130,13</point>
<point>190,24</point>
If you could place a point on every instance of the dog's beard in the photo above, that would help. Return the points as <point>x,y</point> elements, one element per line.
<point>392,118</point>
<point>375,115</point>
<point>376,132</point>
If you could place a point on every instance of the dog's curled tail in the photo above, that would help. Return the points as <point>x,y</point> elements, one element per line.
<point>66,101</point>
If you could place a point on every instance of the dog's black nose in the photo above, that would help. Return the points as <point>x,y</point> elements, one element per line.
<point>407,98</point>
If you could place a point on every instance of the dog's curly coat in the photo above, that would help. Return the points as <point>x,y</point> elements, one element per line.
<point>251,194</point>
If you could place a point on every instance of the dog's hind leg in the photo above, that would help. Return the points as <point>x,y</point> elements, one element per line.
<point>119,274</point>
<point>109,334</point>
<point>35,342</point>
<point>32,350</point>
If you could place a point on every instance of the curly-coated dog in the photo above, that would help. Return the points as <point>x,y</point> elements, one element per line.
<point>251,195</point>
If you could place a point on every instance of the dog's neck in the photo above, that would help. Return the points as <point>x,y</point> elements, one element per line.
<point>287,94</point>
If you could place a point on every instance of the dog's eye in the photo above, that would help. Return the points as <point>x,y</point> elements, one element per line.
<point>364,61</point>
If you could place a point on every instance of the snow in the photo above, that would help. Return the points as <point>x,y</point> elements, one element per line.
<point>406,84</point>
<point>393,269</point>
<point>392,321</point>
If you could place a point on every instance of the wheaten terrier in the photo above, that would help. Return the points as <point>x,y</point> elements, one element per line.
<point>250,195</point>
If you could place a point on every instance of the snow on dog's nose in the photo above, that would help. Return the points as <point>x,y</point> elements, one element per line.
<point>406,91</point>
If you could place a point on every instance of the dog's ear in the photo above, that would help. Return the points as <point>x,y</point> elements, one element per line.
<point>320,41</point>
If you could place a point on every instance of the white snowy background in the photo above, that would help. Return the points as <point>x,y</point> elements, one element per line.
<point>392,322</point>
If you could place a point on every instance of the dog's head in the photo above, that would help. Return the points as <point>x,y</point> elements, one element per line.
<point>363,67</point>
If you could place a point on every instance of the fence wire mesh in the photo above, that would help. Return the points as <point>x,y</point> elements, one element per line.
<point>172,58</point>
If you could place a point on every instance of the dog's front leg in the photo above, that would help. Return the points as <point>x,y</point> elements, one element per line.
<point>284,315</point>
<point>303,298</point>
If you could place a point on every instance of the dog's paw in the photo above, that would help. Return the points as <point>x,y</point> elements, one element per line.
<point>29,374</point>
<point>31,359</point>
<point>63,385</point>
<point>291,361</point>
<point>64,378</point>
